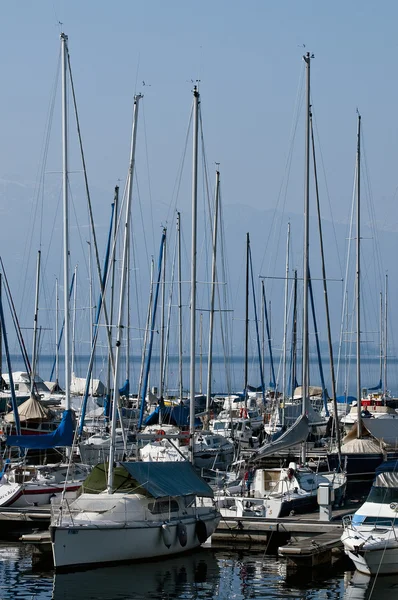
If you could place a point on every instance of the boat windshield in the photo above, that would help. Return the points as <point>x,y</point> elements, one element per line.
<point>383,495</point>
<point>379,521</point>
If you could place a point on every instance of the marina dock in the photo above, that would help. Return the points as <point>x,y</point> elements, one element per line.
<point>15,522</point>
<point>301,539</point>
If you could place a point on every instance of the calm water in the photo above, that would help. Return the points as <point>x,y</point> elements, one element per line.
<point>370,372</point>
<point>202,575</point>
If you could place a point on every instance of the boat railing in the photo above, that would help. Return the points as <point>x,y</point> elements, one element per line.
<point>60,507</point>
<point>347,522</point>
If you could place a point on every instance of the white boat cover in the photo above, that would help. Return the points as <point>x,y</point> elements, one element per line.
<point>312,391</point>
<point>367,444</point>
<point>78,386</point>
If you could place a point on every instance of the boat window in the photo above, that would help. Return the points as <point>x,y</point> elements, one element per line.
<point>163,506</point>
<point>379,521</point>
<point>219,426</point>
<point>382,495</point>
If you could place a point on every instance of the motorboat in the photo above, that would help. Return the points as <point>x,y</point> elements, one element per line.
<point>95,449</point>
<point>238,430</point>
<point>279,492</point>
<point>370,536</point>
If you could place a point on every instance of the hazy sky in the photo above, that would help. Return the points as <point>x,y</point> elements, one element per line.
<point>248,58</point>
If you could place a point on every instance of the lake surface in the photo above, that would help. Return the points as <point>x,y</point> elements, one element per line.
<point>204,574</point>
<point>227,374</point>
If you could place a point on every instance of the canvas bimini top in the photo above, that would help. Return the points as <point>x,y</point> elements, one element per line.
<point>161,479</point>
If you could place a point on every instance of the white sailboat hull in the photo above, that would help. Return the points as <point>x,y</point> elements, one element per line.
<point>31,494</point>
<point>116,542</point>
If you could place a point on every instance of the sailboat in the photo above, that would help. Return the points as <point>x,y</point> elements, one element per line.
<point>361,452</point>
<point>134,510</point>
<point>296,486</point>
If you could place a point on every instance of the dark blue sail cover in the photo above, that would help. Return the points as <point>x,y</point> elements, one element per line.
<point>389,466</point>
<point>62,436</point>
<point>376,387</point>
<point>125,389</point>
<point>177,415</point>
<point>345,399</point>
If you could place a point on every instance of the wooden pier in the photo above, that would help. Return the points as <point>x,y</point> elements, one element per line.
<point>312,552</point>
<point>302,539</point>
<point>15,522</point>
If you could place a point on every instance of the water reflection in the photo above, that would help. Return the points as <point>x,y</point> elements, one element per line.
<point>244,576</point>
<point>363,587</point>
<point>17,580</point>
<point>195,574</point>
<point>201,575</point>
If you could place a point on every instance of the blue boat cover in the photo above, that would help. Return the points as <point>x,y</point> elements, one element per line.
<point>345,399</point>
<point>389,466</point>
<point>62,436</point>
<point>162,479</point>
<point>376,387</point>
<point>173,415</point>
<point>125,389</point>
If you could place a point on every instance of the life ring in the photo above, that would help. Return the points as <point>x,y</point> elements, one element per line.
<point>201,531</point>
<point>182,534</point>
<point>161,433</point>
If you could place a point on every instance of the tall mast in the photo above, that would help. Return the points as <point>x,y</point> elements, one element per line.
<point>285,317</point>
<point>1,337</point>
<point>146,332</point>
<point>74,324</point>
<point>263,329</point>
<point>381,340</point>
<point>35,319</point>
<point>64,45</point>
<point>358,280</point>
<point>90,299</point>
<point>305,373</point>
<point>179,307</point>
<point>200,352</point>
<point>127,378</point>
<point>56,334</point>
<point>294,335</point>
<point>193,268</point>
<point>246,375</point>
<point>120,327</point>
<point>385,338</point>
<point>305,383</point>
<point>161,353</point>
<point>213,288</point>
<point>325,292</point>
<point>115,220</point>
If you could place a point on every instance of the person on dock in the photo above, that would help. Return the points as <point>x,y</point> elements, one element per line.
<point>248,479</point>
